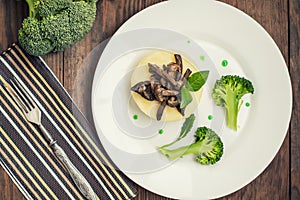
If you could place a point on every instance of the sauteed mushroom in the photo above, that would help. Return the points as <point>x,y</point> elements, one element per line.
<point>173,102</point>
<point>144,89</point>
<point>165,85</point>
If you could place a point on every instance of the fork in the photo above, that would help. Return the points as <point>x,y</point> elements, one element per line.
<point>33,115</point>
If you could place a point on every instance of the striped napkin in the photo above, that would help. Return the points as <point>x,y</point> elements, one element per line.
<point>24,153</point>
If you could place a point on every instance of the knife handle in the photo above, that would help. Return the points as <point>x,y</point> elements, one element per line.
<point>81,183</point>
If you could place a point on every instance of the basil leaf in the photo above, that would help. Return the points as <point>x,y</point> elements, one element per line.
<point>187,126</point>
<point>185,129</point>
<point>197,80</point>
<point>186,97</point>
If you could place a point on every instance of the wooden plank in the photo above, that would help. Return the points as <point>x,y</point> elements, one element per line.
<point>295,72</point>
<point>11,15</point>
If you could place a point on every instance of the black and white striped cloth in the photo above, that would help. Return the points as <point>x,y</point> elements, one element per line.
<point>24,153</point>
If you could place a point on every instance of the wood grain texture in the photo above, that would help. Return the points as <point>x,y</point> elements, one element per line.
<point>281,19</point>
<point>295,76</point>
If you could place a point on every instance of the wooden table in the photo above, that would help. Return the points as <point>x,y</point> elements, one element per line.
<point>281,18</point>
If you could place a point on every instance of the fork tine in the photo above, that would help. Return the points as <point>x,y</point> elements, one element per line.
<point>25,94</point>
<point>16,98</point>
<point>22,97</point>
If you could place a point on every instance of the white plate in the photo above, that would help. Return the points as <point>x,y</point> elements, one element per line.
<point>224,33</point>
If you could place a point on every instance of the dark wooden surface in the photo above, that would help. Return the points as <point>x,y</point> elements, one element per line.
<point>281,18</point>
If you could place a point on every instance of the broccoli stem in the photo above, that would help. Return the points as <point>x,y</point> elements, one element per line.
<point>181,151</point>
<point>175,153</point>
<point>232,108</point>
<point>31,8</point>
<point>167,145</point>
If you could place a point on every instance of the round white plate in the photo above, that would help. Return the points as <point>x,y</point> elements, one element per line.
<point>224,33</point>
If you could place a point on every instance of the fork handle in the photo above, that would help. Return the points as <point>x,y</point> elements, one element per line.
<point>79,180</point>
<point>81,183</point>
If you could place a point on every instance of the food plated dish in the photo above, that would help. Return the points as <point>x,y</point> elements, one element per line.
<point>156,84</point>
<point>222,44</point>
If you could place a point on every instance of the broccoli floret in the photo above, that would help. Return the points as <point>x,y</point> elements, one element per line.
<point>36,44</point>
<point>82,14</point>
<point>228,92</point>
<point>56,29</point>
<point>57,24</point>
<point>49,7</point>
<point>207,148</point>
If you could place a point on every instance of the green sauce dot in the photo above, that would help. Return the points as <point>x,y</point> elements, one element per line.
<point>160,131</point>
<point>135,117</point>
<point>202,57</point>
<point>247,104</point>
<point>210,117</point>
<point>224,63</point>
<point>188,41</point>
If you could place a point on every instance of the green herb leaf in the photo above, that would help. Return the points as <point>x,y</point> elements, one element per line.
<point>185,129</point>
<point>187,126</point>
<point>186,97</point>
<point>197,80</point>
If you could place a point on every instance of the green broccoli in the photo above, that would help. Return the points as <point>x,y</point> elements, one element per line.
<point>207,148</point>
<point>228,92</point>
<point>54,25</point>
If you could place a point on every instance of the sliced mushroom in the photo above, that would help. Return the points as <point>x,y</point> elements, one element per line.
<point>180,110</point>
<point>177,76</point>
<point>160,110</point>
<point>144,89</point>
<point>179,61</point>
<point>155,77</point>
<point>158,93</point>
<point>183,80</point>
<point>170,93</point>
<point>174,70</point>
<point>187,73</point>
<point>164,85</point>
<point>163,82</point>
<point>157,70</point>
<point>153,84</point>
<point>139,86</point>
<point>172,102</point>
<point>174,67</point>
